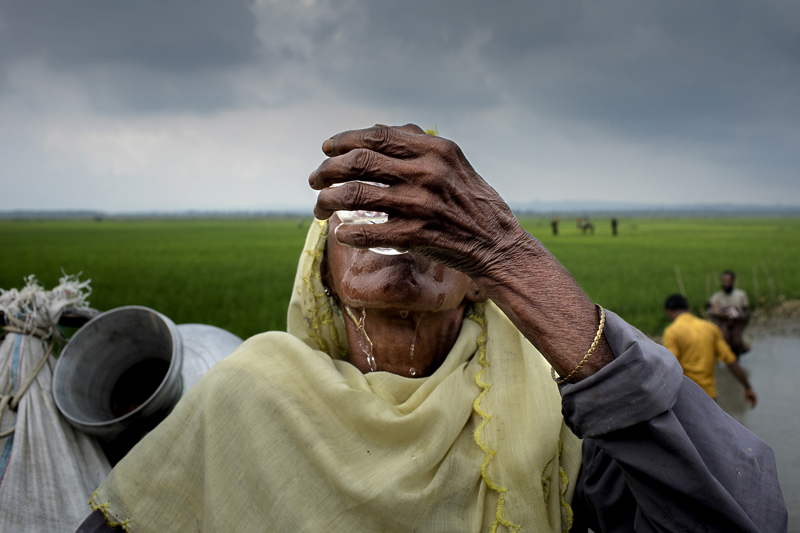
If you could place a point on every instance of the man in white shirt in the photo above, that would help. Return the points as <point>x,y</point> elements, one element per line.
<point>729,309</point>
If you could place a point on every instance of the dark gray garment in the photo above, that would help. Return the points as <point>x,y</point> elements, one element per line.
<point>96,523</point>
<point>659,454</point>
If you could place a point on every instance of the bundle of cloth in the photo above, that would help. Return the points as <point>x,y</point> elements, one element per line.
<point>48,470</point>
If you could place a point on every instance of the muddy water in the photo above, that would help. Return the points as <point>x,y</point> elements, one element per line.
<point>774,368</point>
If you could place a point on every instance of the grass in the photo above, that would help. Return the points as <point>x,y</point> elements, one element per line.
<point>633,273</point>
<point>234,274</point>
<point>238,274</point>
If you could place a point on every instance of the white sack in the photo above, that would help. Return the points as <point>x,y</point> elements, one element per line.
<point>48,470</point>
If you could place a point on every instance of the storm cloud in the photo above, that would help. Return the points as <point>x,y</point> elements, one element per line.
<point>137,105</point>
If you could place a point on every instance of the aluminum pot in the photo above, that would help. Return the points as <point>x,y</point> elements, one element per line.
<point>88,373</point>
<point>203,347</point>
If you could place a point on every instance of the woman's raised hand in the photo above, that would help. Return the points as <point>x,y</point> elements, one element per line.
<point>438,205</point>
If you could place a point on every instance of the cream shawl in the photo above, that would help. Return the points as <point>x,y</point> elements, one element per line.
<point>286,435</point>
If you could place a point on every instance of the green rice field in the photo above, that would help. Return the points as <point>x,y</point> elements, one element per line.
<point>238,274</point>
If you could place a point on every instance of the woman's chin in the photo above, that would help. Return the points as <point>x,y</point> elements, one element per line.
<point>418,292</point>
<point>399,304</point>
<point>407,282</point>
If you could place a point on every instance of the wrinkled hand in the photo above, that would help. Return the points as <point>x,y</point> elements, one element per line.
<point>438,205</point>
<point>441,208</point>
<point>750,398</point>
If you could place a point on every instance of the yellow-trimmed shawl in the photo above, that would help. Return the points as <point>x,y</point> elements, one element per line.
<point>286,435</point>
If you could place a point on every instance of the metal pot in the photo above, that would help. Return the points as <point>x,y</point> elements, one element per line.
<point>203,347</point>
<point>88,372</point>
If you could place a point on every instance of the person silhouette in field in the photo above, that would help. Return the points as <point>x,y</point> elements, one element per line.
<point>698,344</point>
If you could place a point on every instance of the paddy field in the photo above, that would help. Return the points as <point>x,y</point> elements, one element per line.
<point>238,274</point>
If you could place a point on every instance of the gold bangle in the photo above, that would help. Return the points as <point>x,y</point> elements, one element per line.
<point>586,357</point>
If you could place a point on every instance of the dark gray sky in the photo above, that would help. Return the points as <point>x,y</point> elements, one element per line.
<point>127,105</point>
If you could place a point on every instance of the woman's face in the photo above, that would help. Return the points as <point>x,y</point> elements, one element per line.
<point>408,282</point>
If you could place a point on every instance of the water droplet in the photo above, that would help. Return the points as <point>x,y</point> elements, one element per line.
<point>404,314</point>
<point>364,341</point>
<point>413,371</point>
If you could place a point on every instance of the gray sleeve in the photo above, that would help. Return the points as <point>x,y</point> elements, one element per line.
<point>96,523</point>
<point>659,454</point>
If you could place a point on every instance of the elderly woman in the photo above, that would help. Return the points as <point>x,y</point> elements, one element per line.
<point>416,392</point>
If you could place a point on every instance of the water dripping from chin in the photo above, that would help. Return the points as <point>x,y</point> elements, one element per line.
<point>364,342</point>
<point>413,372</point>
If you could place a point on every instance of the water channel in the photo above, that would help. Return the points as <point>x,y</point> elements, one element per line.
<point>774,368</point>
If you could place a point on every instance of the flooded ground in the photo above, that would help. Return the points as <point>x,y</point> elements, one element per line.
<point>774,368</point>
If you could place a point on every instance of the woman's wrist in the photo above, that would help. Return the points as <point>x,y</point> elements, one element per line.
<point>546,304</point>
<point>507,265</point>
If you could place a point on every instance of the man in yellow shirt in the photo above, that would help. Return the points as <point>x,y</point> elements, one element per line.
<point>698,344</point>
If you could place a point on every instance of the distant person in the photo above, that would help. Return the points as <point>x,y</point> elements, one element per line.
<point>614,227</point>
<point>586,225</point>
<point>698,344</point>
<point>554,225</point>
<point>729,309</point>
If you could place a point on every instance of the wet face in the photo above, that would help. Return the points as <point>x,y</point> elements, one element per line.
<point>409,282</point>
<point>727,282</point>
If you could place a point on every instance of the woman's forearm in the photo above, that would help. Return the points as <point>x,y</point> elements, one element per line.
<point>547,305</point>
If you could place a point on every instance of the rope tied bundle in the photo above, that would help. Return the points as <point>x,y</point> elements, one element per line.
<point>12,401</point>
<point>34,312</point>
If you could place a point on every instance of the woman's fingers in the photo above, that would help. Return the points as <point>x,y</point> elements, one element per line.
<point>393,234</point>
<point>408,128</point>
<point>404,235</point>
<point>360,164</point>
<point>355,196</point>
<point>397,201</point>
<point>438,205</point>
<point>382,139</point>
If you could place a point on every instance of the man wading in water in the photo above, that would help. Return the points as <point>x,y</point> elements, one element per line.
<point>729,309</point>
